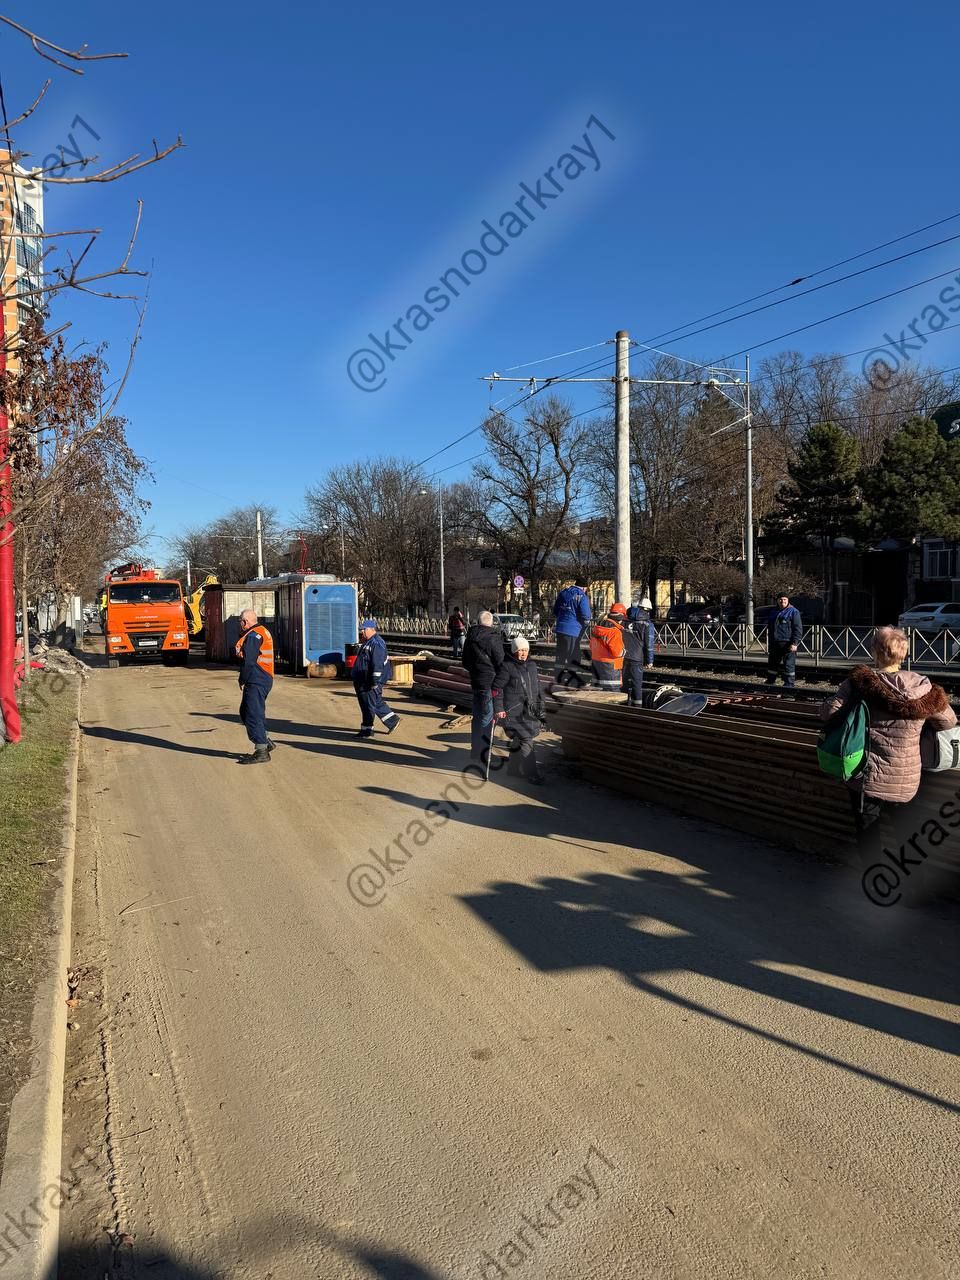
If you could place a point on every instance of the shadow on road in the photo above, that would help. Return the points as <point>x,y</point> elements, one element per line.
<point>107,1262</point>
<point>145,740</point>
<point>743,915</point>
<point>350,747</point>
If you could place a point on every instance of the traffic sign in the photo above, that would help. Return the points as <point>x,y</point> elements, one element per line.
<point>518,581</point>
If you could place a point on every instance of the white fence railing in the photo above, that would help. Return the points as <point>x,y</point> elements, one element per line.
<point>819,643</point>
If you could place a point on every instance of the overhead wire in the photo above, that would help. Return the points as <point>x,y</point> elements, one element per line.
<point>527,395</point>
<point>811,275</point>
<point>594,366</point>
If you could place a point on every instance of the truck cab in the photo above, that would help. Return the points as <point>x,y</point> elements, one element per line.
<point>144,616</point>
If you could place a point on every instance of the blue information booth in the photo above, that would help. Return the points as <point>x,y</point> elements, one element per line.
<point>316,618</point>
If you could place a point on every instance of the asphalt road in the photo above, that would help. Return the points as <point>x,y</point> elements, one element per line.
<point>563,1036</point>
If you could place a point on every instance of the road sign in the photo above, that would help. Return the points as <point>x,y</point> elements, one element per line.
<point>518,581</point>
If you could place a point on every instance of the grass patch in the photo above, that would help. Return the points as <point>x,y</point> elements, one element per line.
<point>32,793</point>
<point>33,789</point>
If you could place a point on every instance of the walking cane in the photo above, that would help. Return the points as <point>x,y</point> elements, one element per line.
<point>493,734</point>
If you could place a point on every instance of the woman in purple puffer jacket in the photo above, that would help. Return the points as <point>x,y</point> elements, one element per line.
<point>901,703</point>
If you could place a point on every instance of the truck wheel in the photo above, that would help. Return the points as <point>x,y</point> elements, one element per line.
<point>113,662</point>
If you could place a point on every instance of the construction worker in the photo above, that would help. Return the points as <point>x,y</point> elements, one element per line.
<point>571,610</point>
<point>255,651</point>
<point>639,638</point>
<point>785,633</point>
<point>606,649</point>
<point>371,671</point>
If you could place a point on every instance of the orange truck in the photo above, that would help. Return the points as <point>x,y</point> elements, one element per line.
<point>144,616</point>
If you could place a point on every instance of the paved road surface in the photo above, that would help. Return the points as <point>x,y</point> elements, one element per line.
<point>578,1037</point>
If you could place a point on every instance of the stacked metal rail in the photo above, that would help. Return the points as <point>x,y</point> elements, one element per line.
<point>749,763</point>
<point>448,682</point>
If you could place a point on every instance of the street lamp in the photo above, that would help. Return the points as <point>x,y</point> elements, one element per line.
<point>443,590</point>
<point>743,403</point>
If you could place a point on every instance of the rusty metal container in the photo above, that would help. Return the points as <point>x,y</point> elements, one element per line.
<point>223,605</point>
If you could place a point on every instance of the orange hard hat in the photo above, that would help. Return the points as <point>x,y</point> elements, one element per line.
<point>618,608</point>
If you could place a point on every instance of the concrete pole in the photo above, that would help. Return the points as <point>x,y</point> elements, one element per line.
<point>624,584</point>
<point>259,545</point>
<point>748,519</point>
<point>443,589</point>
<point>343,550</point>
<point>189,584</point>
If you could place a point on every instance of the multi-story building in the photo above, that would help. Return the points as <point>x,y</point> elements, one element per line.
<point>21,248</point>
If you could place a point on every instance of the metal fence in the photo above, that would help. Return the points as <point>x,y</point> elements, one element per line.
<point>820,644</point>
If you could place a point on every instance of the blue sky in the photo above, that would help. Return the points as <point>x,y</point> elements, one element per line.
<point>338,160</point>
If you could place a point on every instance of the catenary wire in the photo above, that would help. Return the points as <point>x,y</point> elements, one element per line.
<point>811,275</point>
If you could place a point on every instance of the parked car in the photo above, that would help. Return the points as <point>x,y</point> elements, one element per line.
<point>933,617</point>
<point>700,615</point>
<point>514,624</point>
<point>678,613</point>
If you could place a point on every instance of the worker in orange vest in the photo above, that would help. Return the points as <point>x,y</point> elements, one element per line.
<point>606,649</point>
<point>255,651</point>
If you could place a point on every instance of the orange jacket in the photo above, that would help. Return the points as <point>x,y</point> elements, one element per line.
<point>265,656</point>
<point>606,644</point>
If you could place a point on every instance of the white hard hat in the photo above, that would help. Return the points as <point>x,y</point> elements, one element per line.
<point>646,603</point>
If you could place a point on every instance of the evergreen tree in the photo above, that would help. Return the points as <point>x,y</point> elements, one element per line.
<point>821,501</point>
<point>915,487</point>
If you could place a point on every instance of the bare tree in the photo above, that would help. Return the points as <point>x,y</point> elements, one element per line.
<point>32,277</point>
<point>387,509</point>
<point>528,488</point>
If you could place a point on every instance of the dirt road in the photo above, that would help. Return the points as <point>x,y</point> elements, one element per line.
<point>544,1033</point>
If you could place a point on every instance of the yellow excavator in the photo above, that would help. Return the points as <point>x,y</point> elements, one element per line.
<point>194,604</point>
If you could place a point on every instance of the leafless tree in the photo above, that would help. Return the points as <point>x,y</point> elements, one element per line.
<point>528,487</point>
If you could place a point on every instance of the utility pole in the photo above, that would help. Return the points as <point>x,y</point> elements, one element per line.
<point>443,590</point>
<point>748,521</point>
<point>189,584</point>
<point>624,577</point>
<point>259,545</point>
<point>622,384</point>
<point>343,549</point>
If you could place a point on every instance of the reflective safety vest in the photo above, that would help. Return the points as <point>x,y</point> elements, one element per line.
<point>606,645</point>
<point>265,657</point>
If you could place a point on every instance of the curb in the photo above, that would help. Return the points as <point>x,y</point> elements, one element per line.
<point>31,1166</point>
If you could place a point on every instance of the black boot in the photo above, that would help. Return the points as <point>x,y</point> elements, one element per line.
<point>260,755</point>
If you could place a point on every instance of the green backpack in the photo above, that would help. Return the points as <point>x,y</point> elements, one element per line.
<point>844,741</point>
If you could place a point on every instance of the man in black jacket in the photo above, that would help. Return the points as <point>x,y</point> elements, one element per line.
<point>518,703</point>
<point>482,657</point>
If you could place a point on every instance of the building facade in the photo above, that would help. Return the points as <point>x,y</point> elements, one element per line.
<point>21,249</point>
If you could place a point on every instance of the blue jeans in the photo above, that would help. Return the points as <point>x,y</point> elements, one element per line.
<point>481,724</point>
<point>457,640</point>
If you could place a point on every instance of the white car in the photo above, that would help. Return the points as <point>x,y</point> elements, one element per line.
<point>514,624</point>
<point>933,617</point>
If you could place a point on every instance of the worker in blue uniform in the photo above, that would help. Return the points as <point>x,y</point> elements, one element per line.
<point>785,632</point>
<point>255,651</point>
<point>571,611</point>
<point>639,641</point>
<point>371,671</point>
